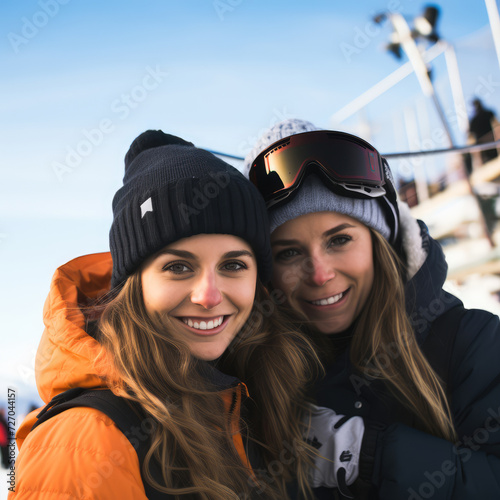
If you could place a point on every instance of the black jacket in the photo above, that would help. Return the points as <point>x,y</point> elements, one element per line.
<point>410,464</point>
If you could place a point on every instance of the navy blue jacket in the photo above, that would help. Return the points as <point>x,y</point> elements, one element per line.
<point>411,464</point>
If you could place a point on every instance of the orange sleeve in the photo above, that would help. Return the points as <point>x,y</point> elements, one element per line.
<point>78,454</point>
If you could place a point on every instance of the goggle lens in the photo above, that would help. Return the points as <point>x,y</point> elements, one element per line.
<point>344,160</point>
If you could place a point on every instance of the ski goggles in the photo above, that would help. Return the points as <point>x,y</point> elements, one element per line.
<point>347,162</point>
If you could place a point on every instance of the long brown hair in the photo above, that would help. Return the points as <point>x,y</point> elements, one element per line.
<point>191,440</point>
<point>384,346</point>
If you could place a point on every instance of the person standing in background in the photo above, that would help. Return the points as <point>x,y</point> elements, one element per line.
<point>481,129</point>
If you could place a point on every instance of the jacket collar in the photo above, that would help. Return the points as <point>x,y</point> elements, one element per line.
<point>215,377</point>
<point>425,298</point>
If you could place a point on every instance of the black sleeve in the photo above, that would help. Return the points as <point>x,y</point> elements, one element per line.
<point>413,465</point>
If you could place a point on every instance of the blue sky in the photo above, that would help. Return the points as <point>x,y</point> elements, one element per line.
<point>81,79</point>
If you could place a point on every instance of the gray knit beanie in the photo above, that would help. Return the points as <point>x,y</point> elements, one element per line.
<point>275,133</point>
<point>313,195</point>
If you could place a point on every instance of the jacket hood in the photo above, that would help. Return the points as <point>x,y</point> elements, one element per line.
<point>427,271</point>
<point>66,354</point>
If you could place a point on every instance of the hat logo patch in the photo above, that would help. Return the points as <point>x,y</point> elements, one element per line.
<point>146,207</point>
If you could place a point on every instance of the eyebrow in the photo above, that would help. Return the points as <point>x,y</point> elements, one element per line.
<point>179,253</point>
<point>184,254</point>
<point>237,253</point>
<point>336,229</point>
<point>327,233</point>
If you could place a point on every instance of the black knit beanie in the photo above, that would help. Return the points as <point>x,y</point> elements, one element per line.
<point>173,190</point>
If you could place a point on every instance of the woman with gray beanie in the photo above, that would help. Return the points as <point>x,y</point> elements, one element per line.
<point>366,278</point>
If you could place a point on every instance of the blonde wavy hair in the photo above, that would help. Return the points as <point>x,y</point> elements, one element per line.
<point>192,441</point>
<point>384,324</point>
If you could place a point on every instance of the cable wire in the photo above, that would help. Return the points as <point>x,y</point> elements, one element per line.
<point>460,149</point>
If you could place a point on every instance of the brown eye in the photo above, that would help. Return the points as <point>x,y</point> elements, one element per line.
<point>287,254</point>
<point>339,240</point>
<point>176,268</point>
<point>234,266</point>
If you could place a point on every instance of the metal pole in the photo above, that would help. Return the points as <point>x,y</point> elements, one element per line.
<point>410,47</point>
<point>456,89</point>
<point>494,17</point>
<point>425,131</point>
<point>418,168</point>
<point>383,86</point>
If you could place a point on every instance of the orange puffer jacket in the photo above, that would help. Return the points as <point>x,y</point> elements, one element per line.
<point>80,453</point>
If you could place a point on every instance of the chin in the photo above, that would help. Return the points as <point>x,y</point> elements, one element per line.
<point>209,356</point>
<point>330,328</point>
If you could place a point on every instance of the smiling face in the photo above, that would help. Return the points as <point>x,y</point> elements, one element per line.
<point>323,262</point>
<point>206,285</point>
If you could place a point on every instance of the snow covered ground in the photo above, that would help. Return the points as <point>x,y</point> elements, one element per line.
<point>473,272</point>
<point>477,292</point>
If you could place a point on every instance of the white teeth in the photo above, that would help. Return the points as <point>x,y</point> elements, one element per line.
<point>204,325</point>
<point>328,301</point>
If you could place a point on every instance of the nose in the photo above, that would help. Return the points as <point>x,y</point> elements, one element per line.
<point>206,293</point>
<point>319,270</point>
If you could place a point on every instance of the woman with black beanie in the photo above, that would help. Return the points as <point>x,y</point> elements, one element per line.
<point>166,370</point>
